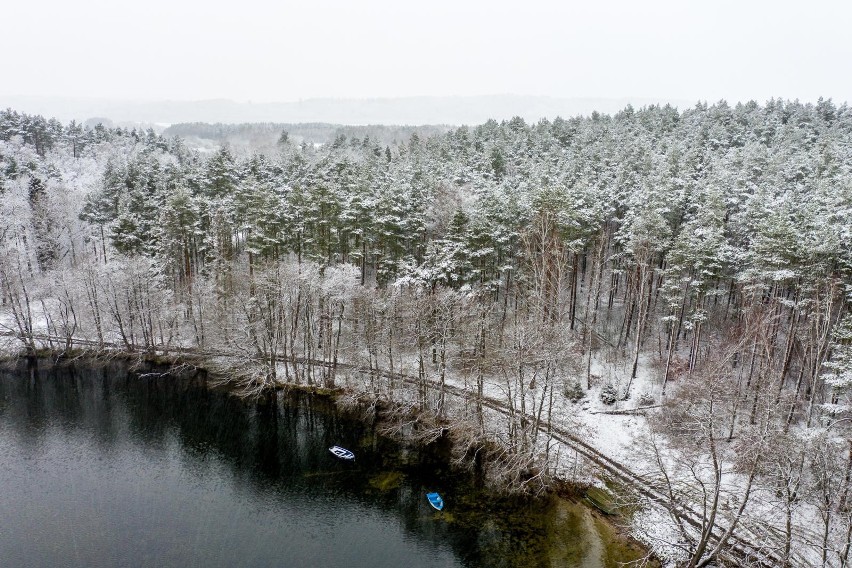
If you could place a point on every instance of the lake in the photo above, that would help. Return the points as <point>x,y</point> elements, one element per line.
<point>103,466</point>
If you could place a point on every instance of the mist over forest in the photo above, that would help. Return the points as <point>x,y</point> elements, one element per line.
<point>694,263</point>
<point>454,110</point>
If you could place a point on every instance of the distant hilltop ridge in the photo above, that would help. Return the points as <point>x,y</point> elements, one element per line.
<point>450,110</point>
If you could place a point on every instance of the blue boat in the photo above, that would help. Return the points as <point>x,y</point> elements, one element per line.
<point>342,453</point>
<point>435,500</point>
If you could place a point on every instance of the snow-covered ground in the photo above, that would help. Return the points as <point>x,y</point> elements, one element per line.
<point>616,436</point>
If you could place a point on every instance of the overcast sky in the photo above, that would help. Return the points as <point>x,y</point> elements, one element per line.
<point>280,50</point>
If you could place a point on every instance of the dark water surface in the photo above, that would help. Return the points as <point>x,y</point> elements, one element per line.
<point>104,467</point>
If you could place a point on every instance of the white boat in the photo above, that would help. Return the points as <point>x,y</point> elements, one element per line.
<point>342,453</point>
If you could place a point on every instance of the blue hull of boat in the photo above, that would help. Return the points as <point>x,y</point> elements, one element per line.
<point>435,500</point>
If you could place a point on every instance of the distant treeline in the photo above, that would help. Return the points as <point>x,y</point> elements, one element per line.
<point>266,135</point>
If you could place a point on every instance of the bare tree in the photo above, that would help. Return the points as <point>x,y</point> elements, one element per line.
<point>701,461</point>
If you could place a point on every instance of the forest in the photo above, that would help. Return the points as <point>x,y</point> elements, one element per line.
<point>693,264</point>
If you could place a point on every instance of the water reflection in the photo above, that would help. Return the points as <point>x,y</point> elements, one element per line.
<point>104,467</point>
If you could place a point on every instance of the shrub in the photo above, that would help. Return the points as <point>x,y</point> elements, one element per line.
<point>574,391</point>
<point>609,394</point>
<point>646,399</point>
